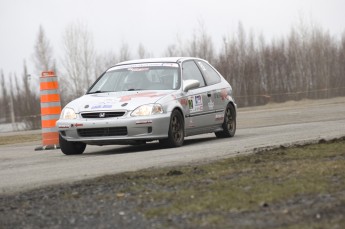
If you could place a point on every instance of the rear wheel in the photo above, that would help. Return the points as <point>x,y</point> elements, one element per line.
<point>229,124</point>
<point>176,131</point>
<point>71,148</point>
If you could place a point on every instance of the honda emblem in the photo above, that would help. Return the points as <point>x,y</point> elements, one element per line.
<point>101,115</point>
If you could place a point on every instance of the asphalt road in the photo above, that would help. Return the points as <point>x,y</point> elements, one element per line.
<point>22,168</point>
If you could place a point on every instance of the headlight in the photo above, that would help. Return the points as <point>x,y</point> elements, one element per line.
<point>149,109</point>
<point>68,113</point>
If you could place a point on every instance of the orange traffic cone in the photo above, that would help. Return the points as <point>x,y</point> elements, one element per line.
<point>50,110</point>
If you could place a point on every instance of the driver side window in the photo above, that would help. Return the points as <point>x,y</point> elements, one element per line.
<point>191,72</point>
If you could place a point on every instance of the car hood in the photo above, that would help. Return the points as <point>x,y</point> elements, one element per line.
<point>127,100</point>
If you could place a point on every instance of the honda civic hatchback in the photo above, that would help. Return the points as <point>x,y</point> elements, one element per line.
<point>134,102</point>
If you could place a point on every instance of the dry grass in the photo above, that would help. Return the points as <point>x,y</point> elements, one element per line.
<point>244,184</point>
<point>13,139</point>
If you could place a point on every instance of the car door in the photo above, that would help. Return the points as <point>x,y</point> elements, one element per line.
<point>199,113</point>
<point>215,92</point>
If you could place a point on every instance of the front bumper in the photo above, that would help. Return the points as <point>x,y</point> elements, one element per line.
<point>122,130</point>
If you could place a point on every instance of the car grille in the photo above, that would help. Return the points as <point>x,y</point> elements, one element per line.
<point>103,132</point>
<point>106,114</point>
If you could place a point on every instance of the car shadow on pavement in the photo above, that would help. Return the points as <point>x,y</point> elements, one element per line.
<point>151,146</point>
<point>193,141</point>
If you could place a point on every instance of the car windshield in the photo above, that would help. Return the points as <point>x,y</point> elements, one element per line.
<point>151,76</point>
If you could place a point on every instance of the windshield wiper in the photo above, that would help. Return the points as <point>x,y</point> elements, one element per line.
<point>99,91</point>
<point>134,89</point>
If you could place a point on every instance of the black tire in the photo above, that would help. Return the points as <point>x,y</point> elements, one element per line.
<point>176,131</point>
<point>229,124</point>
<point>71,148</point>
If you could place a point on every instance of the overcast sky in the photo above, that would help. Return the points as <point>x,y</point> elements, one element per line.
<point>154,23</point>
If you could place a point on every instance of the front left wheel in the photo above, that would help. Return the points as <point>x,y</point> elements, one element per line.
<point>71,148</point>
<point>176,131</point>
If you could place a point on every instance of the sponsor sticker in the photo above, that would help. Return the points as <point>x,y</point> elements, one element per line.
<point>202,66</point>
<point>184,102</point>
<point>219,117</point>
<point>138,69</point>
<point>191,123</point>
<point>210,105</point>
<point>195,103</point>
<point>63,126</point>
<point>143,122</point>
<point>224,94</point>
<point>147,65</point>
<point>127,98</point>
<point>101,106</point>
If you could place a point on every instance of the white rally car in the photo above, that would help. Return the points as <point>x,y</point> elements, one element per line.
<point>163,99</point>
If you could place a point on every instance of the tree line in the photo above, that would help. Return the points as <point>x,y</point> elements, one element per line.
<point>308,63</point>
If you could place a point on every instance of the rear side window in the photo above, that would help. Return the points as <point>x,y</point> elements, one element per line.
<point>191,72</point>
<point>211,76</point>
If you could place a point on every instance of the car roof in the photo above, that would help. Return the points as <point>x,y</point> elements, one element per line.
<point>155,60</point>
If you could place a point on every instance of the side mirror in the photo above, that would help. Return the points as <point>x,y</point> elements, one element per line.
<point>190,84</point>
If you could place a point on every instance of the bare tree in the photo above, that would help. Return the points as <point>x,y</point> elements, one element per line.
<point>171,51</point>
<point>308,63</point>
<point>43,54</point>
<point>142,52</point>
<point>30,104</point>
<point>78,60</point>
<point>193,46</point>
<point>176,49</point>
<point>42,58</point>
<point>340,79</point>
<point>105,61</point>
<point>5,100</point>
<point>124,53</point>
<point>201,44</point>
<point>11,104</point>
